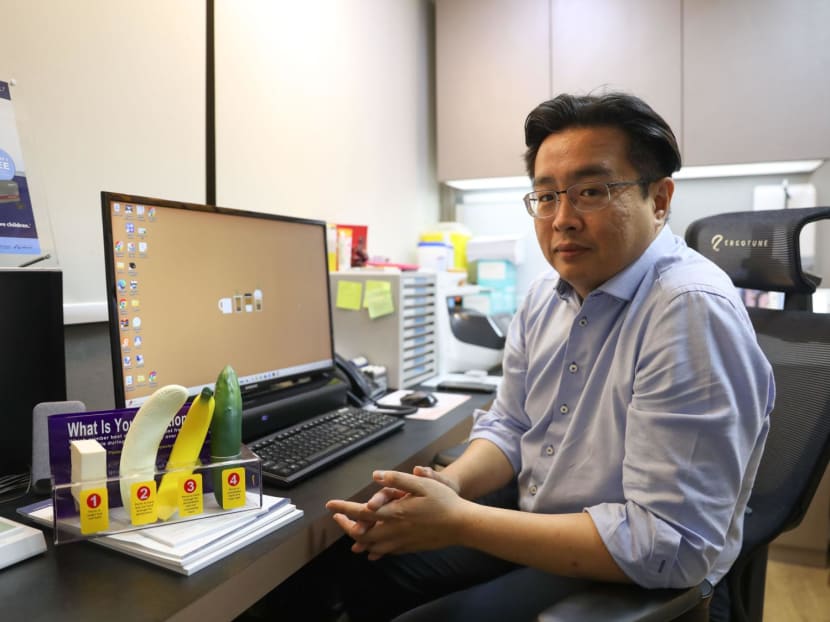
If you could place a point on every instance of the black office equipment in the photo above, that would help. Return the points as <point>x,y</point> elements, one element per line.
<point>192,288</point>
<point>32,359</point>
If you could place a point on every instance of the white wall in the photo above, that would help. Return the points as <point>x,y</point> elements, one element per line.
<point>324,110</point>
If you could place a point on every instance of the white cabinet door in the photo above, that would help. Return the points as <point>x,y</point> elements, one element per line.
<point>756,80</point>
<point>632,46</point>
<point>492,69</point>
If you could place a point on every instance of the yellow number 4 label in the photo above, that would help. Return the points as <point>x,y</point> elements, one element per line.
<point>233,488</point>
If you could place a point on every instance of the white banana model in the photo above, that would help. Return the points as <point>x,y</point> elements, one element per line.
<point>138,455</point>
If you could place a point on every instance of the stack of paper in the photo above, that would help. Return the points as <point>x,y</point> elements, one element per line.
<point>18,542</point>
<point>187,547</point>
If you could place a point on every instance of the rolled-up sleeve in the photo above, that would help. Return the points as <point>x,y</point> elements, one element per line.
<point>694,434</point>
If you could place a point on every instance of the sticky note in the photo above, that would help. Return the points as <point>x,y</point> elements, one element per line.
<point>379,299</point>
<point>376,290</point>
<point>348,295</point>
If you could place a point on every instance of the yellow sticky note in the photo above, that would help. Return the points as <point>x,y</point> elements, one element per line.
<point>348,295</point>
<point>94,510</point>
<point>143,509</point>
<point>380,303</point>
<point>233,488</point>
<point>190,494</point>
<point>376,289</point>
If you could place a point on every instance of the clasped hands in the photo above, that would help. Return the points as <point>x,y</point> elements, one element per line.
<point>416,512</point>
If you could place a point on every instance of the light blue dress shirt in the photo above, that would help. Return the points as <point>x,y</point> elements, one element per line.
<point>647,406</point>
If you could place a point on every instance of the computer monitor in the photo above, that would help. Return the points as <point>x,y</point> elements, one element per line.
<point>192,288</point>
<point>32,356</point>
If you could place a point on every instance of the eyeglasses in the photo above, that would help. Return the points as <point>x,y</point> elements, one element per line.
<point>589,196</point>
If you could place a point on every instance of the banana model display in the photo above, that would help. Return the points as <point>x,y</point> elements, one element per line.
<point>226,426</point>
<point>185,453</point>
<point>219,411</point>
<point>138,455</point>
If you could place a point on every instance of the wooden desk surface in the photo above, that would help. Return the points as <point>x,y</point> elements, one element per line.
<point>83,581</point>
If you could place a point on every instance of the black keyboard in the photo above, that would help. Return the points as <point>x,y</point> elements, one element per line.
<point>295,453</point>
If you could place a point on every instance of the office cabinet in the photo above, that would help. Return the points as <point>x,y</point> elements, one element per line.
<point>756,80</point>
<point>633,46</point>
<point>404,341</point>
<point>738,81</point>
<point>492,68</point>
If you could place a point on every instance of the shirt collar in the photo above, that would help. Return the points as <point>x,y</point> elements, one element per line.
<point>624,284</point>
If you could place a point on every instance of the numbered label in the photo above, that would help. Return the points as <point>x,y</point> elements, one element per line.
<point>233,488</point>
<point>94,509</point>
<point>143,507</point>
<point>190,494</point>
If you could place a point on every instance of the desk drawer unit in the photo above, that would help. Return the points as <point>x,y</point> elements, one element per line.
<point>404,340</point>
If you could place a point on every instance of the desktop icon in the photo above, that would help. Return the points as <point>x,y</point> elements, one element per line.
<point>119,246</point>
<point>153,377</point>
<point>125,343</point>
<point>122,284</point>
<point>139,360</point>
<point>139,210</point>
<point>134,303</point>
<point>116,208</point>
<point>128,380</point>
<point>151,213</point>
<point>127,361</point>
<point>128,209</point>
<point>130,247</point>
<point>132,265</point>
<point>140,379</point>
<point>129,227</point>
<point>119,265</point>
<point>136,322</point>
<point>142,231</point>
<point>124,323</point>
<point>122,304</point>
<point>137,341</point>
<point>133,284</point>
<point>142,247</point>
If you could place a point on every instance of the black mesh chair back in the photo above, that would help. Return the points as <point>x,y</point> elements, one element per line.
<point>760,251</point>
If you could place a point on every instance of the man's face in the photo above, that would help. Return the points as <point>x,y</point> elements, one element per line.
<point>588,248</point>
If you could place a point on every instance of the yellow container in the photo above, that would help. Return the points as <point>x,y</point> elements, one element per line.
<point>453,233</point>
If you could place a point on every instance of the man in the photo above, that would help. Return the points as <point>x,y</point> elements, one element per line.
<point>632,414</point>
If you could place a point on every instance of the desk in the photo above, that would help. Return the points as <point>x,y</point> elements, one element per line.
<point>82,581</point>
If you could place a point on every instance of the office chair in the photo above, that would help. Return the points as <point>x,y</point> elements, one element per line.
<point>759,251</point>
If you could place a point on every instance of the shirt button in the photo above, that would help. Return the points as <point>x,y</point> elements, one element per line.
<point>583,321</point>
<point>573,368</point>
<point>549,450</point>
<point>563,409</point>
<point>533,489</point>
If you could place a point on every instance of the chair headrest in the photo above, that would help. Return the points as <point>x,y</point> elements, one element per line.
<point>758,250</point>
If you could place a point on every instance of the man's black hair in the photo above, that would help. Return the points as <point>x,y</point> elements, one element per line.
<point>652,147</point>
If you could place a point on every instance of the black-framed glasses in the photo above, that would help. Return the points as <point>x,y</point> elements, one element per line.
<point>588,196</point>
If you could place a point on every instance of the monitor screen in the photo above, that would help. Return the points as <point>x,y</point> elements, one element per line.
<point>192,288</point>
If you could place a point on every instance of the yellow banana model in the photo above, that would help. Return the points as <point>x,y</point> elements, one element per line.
<point>185,453</point>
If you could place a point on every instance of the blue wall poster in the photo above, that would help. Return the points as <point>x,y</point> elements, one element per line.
<point>18,234</point>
